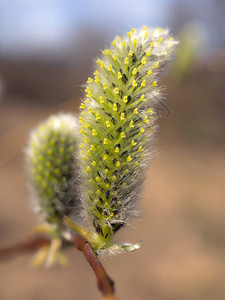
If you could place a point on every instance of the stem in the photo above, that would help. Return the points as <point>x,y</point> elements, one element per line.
<point>104,282</point>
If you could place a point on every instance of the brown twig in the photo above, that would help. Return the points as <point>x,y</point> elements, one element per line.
<point>104,282</point>
<point>29,245</point>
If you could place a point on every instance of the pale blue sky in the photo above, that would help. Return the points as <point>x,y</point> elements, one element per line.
<point>26,25</point>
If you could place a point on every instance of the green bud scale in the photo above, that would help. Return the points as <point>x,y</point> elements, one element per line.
<point>117,124</point>
<point>50,167</point>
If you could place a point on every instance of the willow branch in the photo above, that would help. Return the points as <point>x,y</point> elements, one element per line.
<point>104,282</point>
<point>29,245</point>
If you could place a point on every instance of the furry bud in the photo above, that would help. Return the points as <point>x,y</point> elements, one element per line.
<point>117,124</point>
<point>50,166</point>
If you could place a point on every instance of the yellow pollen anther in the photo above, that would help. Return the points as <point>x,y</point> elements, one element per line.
<point>94,132</point>
<point>136,163</point>
<point>126,61</point>
<point>122,135</point>
<point>114,178</point>
<point>110,68</point>
<point>125,99</point>
<point>143,83</point>
<point>146,119</point>
<point>90,110</point>
<point>152,44</point>
<point>106,52</point>
<point>102,65</point>
<point>101,100</point>
<point>116,91</point>
<point>89,94</point>
<point>118,164</point>
<point>90,80</point>
<point>106,171</point>
<point>119,75</point>
<point>97,178</point>
<point>94,164</point>
<point>134,83</point>
<point>96,73</point>
<point>105,142</point>
<point>129,33</point>
<point>146,35</point>
<point>82,105</point>
<point>149,72</point>
<point>129,158</point>
<point>86,140</point>
<point>133,143</point>
<point>141,130</point>
<point>142,98</point>
<point>150,111</point>
<point>134,72</point>
<point>88,169</point>
<point>133,30</point>
<point>98,61</point>
<point>159,40</point>
<point>117,150</point>
<point>105,157</point>
<point>98,192</point>
<point>115,57</point>
<point>124,44</point>
<point>130,53</point>
<point>108,124</point>
<point>140,149</point>
<point>135,42</point>
<point>114,107</point>
<point>131,124</point>
<point>154,83</point>
<point>93,148</point>
<point>148,53</point>
<point>114,43</point>
<point>105,86</point>
<point>96,79</point>
<point>82,131</point>
<point>97,117</point>
<point>107,186</point>
<point>122,117</point>
<point>135,112</point>
<point>143,61</point>
<point>156,65</point>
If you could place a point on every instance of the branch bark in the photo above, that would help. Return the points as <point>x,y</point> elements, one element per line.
<point>104,282</point>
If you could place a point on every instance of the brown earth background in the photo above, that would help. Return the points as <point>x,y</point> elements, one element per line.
<point>183,200</point>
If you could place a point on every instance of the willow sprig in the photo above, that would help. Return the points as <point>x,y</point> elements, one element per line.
<point>51,168</point>
<point>117,124</point>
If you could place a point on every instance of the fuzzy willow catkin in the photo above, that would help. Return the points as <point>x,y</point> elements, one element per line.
<point>50,166</point>
<point>117,123</point>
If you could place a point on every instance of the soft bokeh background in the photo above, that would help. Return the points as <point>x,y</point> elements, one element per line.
<point>47,48</point>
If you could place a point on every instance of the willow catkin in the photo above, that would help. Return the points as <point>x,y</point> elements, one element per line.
<point>50,166</point>
<point>117,124</point>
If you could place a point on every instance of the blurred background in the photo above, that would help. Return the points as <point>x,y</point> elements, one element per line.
<point>47,49</point>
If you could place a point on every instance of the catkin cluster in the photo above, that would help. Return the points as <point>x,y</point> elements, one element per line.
<point>50,167</point>
<point>117,124</point>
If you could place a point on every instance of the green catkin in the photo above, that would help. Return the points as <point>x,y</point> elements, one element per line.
<point>117,124</point>
<point>50,168</point>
